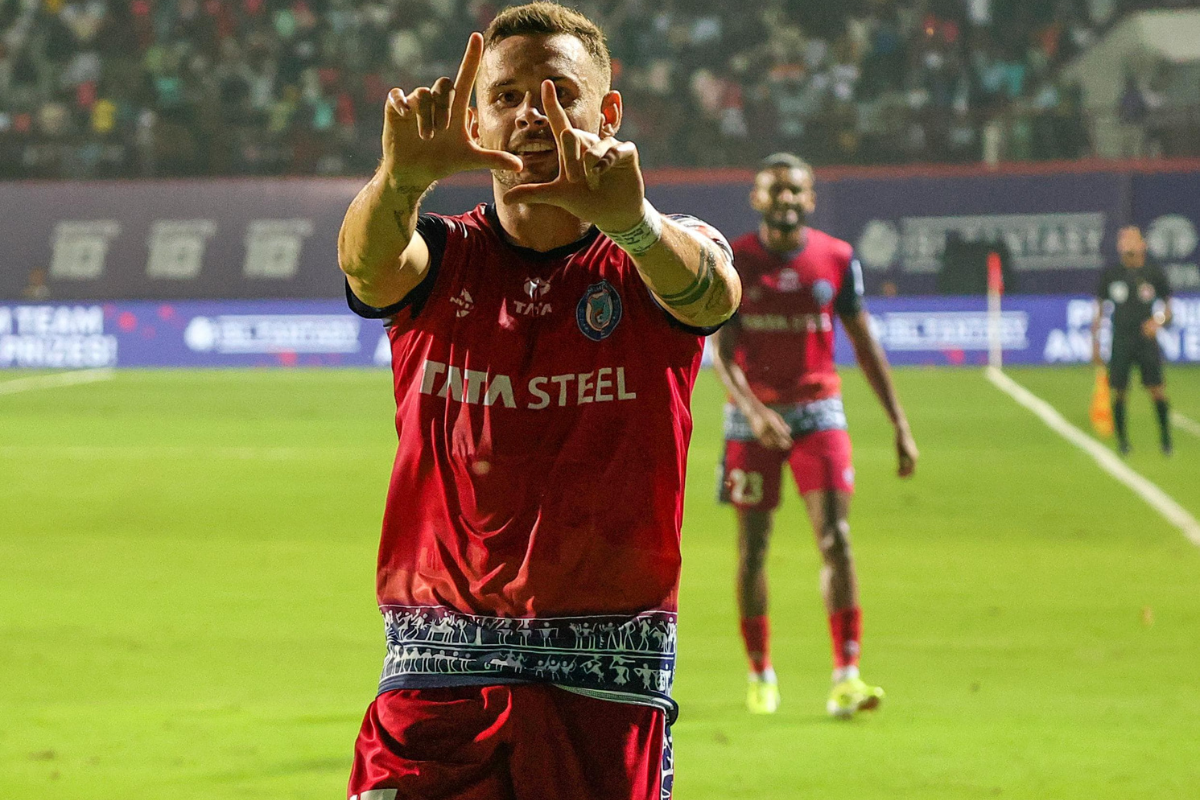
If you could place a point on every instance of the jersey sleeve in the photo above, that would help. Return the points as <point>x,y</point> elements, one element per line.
<point>849,299</point>
<point>701,227</point>
<point>433,230</point>
<point>1102,286</point>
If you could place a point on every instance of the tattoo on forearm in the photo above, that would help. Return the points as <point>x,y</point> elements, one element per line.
<point>717,299</point>
<point>701,282</point>
<point>410,202</point>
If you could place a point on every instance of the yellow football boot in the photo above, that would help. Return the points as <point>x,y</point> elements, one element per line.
<point>762,695</point>
<point>852,695</point>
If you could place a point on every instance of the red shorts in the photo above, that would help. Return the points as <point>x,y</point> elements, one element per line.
<point>750,474</point>
<point>510,742</point>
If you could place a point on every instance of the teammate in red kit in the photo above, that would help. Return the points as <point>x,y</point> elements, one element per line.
<point>544,350</point>
<point>776,361</point>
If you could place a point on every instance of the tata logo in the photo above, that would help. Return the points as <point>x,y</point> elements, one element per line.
<point>535,290</point>
<point>599,311</point>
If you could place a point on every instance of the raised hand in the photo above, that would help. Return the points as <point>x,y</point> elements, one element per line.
<point>425,135</point>
<point>599,180</point>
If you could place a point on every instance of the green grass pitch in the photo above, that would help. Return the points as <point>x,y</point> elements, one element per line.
<point>186,599</point>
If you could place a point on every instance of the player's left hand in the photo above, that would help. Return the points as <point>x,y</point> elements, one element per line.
<point>906,451</point>
<point>1150,328</point>
<point>599,180</point>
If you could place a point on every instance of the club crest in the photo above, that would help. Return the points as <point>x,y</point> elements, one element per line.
<point>599,311</point>
<point>823,292</point>
<point>788,280</point>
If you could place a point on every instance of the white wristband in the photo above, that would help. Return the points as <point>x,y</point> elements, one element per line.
<point>641,237</point>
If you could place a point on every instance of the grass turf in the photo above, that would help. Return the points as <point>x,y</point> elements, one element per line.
<point>186,598</point>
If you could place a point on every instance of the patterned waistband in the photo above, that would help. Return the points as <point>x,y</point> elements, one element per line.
<point>623,658</point>
<point>803,418</point>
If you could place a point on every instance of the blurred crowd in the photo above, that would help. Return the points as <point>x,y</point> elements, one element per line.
<point>125,88</point>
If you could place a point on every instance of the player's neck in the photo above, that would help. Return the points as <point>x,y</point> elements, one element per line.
<point>782,241</point>
<point>1133,263</point>
<point>540,227</point>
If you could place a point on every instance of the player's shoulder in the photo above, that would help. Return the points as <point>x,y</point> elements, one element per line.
<point>465,225</point>
<point>747,242</point>
<point>840,249</point>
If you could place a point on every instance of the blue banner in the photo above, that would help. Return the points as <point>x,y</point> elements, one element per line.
<point>323,333</point>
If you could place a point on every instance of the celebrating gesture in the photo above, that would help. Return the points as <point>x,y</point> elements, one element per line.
<point>599,179</point>
<point>425,136</point>
<point>561,325</point>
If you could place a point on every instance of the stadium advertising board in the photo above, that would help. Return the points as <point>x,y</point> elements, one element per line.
<point>260,238</point>
<point>1167,207</point>
<point>1057,229</point>
<point>322,333</point>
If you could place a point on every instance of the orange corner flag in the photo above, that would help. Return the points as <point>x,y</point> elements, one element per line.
<point>1101,411</point>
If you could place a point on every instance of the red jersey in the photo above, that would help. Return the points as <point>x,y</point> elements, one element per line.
<point>785,324</point>
<point>542,410</point>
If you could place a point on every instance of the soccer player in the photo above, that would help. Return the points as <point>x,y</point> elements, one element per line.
<point>776,361</point>
<point>1140,299</point>
<point>544,349</point>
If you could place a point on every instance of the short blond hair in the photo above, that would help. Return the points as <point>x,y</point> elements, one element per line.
<point>549,19</point>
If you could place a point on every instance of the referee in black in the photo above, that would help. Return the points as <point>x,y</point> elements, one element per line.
<point>1140,299</point>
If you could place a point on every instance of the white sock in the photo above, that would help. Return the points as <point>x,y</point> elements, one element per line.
<point>766,676</point>
<point>845,674</point>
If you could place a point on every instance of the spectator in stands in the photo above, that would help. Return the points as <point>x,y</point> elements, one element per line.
<point>105,88</point>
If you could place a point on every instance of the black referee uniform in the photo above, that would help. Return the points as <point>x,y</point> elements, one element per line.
<point>1132,293</point>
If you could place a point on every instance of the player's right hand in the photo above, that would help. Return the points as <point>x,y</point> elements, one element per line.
<point>771,429</point>
<point>425,135</point>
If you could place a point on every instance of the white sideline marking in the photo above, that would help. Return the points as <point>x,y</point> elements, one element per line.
<point>1185,423</point>
<point>1159,500</point>
<point>73,378</point>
